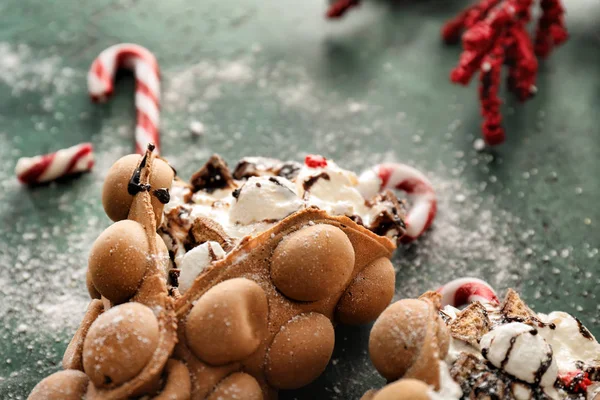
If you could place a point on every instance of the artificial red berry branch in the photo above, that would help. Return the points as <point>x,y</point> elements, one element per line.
<point>493,34</point>
<point>339,8</point>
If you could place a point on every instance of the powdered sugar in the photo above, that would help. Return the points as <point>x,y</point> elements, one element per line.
<point>23,71</point>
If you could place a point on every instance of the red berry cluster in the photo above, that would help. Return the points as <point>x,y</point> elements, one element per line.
<point>495,33</point>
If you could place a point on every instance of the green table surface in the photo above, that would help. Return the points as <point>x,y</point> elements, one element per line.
<point>274,78</point>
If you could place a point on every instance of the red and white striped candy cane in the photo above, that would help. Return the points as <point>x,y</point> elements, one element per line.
<point>416,185</point>
<point>48,167</point>
<point>147,91</point>
<point>463,291</point>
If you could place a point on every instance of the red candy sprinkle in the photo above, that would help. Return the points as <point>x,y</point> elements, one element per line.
<point>494,33</point>
<point>576,381</point>
<point>314,161</point>
<point>339,8</point>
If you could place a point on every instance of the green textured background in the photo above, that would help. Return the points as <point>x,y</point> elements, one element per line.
<point>274,78</point>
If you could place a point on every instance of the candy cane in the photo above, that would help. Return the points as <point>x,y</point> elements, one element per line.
<point>463,291</point>
<point>147,90</point>
<point>414,183</point>
<point>48,167</point>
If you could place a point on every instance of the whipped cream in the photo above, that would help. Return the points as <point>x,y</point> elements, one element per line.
<point>195,261</point>
<point>449,390</point>
<point>260,198</point>
<point>520,351</point>
<point>263,199</point>
<point>260,193</point>
<point>332,189</point>
<point>571,342</point>
<point>551,346</point>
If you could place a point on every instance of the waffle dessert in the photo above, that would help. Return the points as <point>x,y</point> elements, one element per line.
<point>237,293</point>
<point>487,350</point>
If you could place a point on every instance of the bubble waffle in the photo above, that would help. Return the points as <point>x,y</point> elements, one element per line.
<point>258,318</point>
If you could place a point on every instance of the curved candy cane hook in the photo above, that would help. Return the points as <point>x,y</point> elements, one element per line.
<point>416,185</point>
<point>147,92</point>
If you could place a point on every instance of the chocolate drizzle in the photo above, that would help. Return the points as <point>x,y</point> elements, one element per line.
<point>174,277</point>
<point>278,183</point>
<point>289,170</point>
<point>275,181</point>
<point>479,379</point>
<point>307,184</point>
<point>539,374</point>
<point>258,166</point>
<point>244,170</point>
<point>583,330</point>
<point>162,195</point>
<point>134,186</point>
<point>511,345</point>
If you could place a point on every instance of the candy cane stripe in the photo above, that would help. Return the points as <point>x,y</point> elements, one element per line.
<point>463,291</point>
<point>396,176</point>
<point>146,105</point>
<point>147,92</point>
<point>48,167</point>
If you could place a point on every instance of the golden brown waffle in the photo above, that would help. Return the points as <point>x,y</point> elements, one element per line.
<point>256,321</point>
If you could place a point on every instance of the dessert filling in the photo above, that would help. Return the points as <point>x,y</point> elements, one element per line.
<point>511,352</point>
<point>207,218</point>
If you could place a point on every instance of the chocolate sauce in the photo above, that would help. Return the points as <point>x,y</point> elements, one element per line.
<point>513,340</point>
<point>357,219</point>
<point>162,195</point>
<point>245,170</point>
<point>583,330</point>
<point>289,170</point>
<point>275,181</point>
<point>134,186</point>
<point>307,184</point>
<point>539,374</point>
<point>174,277</point>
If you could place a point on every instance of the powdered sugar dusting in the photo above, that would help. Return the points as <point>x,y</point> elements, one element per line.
<point>468,238</point>
<point>24,71</point>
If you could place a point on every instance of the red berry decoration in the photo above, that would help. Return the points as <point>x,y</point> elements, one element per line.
<point>339,7</point>
<point>493,34</point>
<point>314,161</point>
<point>575,381</point>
